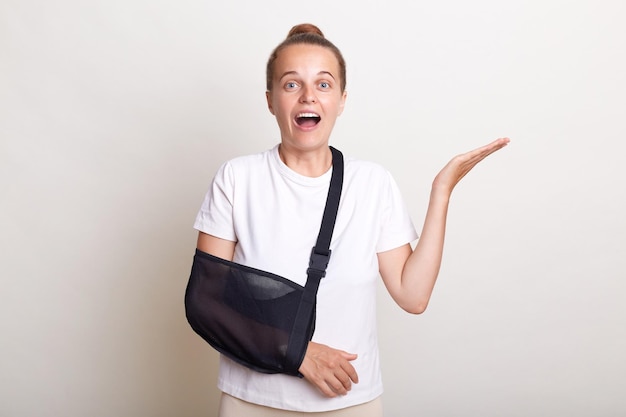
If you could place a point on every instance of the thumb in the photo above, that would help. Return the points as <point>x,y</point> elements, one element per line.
<point>349,356</point>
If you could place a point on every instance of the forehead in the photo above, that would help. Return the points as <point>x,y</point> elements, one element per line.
<point>303,58</point>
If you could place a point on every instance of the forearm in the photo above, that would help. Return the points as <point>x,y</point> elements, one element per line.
<point>422,267</point>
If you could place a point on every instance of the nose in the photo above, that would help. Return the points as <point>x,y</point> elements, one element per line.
<point>308,95</point>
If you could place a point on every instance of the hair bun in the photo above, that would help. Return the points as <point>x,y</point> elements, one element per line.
<point>305,28</point>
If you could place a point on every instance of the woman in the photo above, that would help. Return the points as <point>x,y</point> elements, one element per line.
<point>264,211</point>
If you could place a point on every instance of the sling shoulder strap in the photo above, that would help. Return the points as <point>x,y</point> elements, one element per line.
<point>320,256</point>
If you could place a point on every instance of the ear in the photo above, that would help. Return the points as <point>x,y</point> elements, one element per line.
<point>342,104</point>
<point>268,97</point>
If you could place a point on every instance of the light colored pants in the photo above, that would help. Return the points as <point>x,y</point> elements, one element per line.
<point>234,407</point>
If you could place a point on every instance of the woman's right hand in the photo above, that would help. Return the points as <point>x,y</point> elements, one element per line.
<point>329,369</point>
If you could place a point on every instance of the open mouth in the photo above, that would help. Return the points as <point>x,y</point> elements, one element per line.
<point>307,119</point>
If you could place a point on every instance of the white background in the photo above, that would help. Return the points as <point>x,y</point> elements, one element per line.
<point>114,115</point>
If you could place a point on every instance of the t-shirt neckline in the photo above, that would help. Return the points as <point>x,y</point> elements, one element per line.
<point>292,175</point>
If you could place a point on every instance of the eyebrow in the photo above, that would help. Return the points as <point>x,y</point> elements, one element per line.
<point>296,73</point>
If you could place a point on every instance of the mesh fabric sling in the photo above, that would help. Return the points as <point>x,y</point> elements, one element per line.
<point>259,319</point>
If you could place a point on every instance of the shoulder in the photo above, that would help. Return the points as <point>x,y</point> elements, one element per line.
<point>365,170</point>
<point>246,164</point>
<point>240,170</point>
<point>251,160</point>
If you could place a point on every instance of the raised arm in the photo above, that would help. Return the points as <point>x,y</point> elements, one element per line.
<point>410,275</point>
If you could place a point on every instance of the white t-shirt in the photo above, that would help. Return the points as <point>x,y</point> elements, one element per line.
<point>274,215</point>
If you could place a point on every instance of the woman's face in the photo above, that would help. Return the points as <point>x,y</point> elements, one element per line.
<point>306,95</point>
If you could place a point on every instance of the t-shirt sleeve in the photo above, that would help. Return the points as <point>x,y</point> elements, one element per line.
<point>215,216</point>
<point>397,228</point>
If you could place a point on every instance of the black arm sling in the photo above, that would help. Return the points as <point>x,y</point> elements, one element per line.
<point>258,319</point>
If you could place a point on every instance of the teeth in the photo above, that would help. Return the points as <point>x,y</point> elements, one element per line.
<point>307,115</point>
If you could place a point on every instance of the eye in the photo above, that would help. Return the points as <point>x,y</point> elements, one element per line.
<point>291,85</point>
<point>324,85</point>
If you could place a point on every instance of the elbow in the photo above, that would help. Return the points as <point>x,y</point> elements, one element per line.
<point>416,307</point>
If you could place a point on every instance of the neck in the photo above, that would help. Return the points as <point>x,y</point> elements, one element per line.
<point>314,163</point>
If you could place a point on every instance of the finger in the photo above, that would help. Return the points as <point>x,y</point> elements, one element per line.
<point>326,385</point>
<point>484,151</point>
<point>494,146</point>
<point>347,366</point>
<point>327,390</point>
<point>498,143</point>
<point>470,159</point>
<point>350,371</point>
<point>344,379</point>
<point>337,386</point>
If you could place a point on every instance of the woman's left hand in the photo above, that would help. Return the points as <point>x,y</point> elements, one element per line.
<point>460,165</point>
